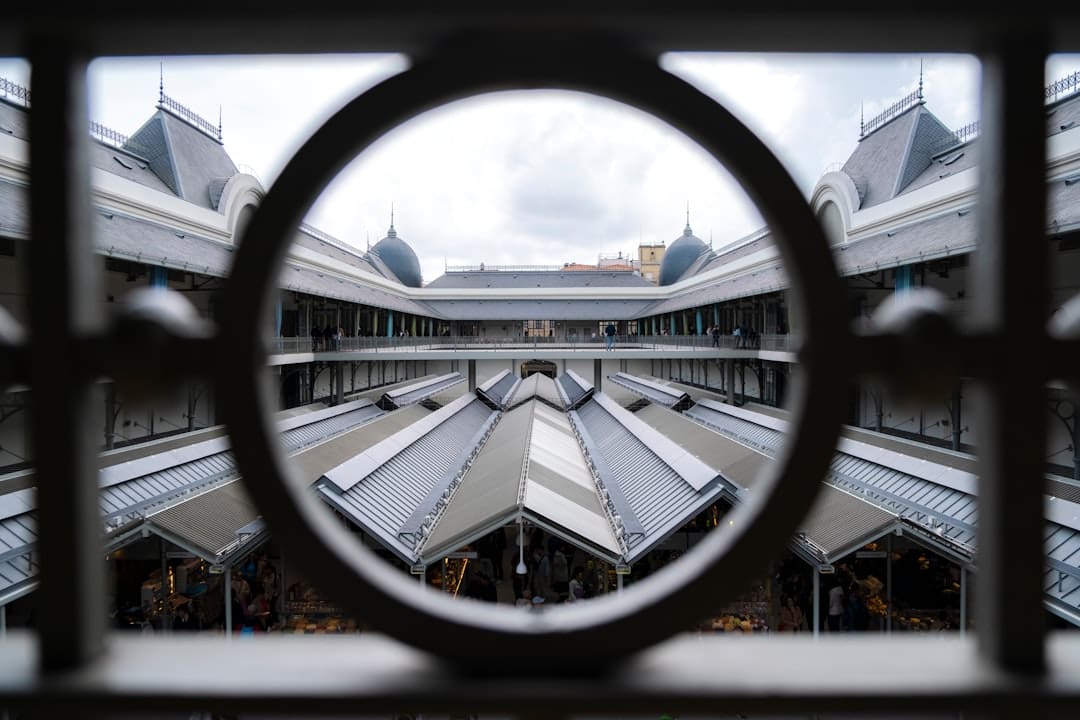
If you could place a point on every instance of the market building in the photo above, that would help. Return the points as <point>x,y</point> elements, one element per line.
<point>430,418</point>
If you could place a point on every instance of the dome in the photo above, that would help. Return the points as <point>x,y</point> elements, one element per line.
<point>681,255</point>
<point>399,258</point>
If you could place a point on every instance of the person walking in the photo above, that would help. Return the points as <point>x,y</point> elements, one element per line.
<point>609,336</point>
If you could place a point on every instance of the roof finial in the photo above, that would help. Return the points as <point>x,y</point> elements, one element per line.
<point>920,95</point>
<point>862,121</point>
<point>392,232</point>
<point>161,83</point>
<point>687,230</point>
<point>219,123</point>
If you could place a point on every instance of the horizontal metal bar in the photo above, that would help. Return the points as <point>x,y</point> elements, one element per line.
<point>935,673</point>
<point>126,27</point>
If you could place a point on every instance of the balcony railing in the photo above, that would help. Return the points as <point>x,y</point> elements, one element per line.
<point>699,344</point>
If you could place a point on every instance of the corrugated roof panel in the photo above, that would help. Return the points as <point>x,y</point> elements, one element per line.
<point>18,576</point>
<point>422,390</point>
<point>660,499</point>
<point>1063,547</point>
<point>369,461</point>
<point>312,462</point>
<point>499,388</point>
<point>651,390</point>
<point>207,524</point>
<point>17,533</point>
<point>915,499</point>
<point>839,523</point>
<point>387,496</point>
<point>137,495</point>
<point>537,385</point>
<point>740,465</point>
<point>692,470</point>
<point>488,490</point>
<point>573,388</point>
<point>762,439</point>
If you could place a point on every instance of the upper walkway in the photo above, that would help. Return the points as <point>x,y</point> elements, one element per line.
<point>292,350</point>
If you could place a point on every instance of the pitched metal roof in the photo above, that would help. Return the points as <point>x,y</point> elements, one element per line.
<point>18,542</point>
<point>420,390</point>
<point>489,493</point>
<point>395,489</point>
<point>939,503</point>
<point>653,485</point>
<point>839,523</point>
<point>740,466</point>
<point>540,386</point>
<point>652,389</point>
<point>315,460</point>
<point>131,489</point>
<point>497,389</point>
<point>217,525</point>
<point>573,389</point>
<point>560,491</point>
<point>538,309</point>
<point>538,279</point>
<point>532,467</point>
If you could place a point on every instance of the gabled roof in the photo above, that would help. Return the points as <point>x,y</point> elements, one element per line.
<point>396,489</point>
<point>567,278</point>
<point>889,158</point>
<point>187,160</point>
<point>935,501</point>
<point>653,485</point>
<point>217,526</point>
<point>540,386</point>
<point>18,543</point>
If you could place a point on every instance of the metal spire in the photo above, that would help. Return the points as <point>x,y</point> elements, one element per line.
<point>392,232</point>
<point>862,119</point>
<point>161,83</point>
<point>920,95</point>
<point>219,123</point>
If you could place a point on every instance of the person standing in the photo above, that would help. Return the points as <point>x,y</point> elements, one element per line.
<point>609,336</point>
<point>836,606</point>
<point>576,588</point>
<point>791,616</point>
<point>715,336</point>
<point>560,574</point>
<point>541,574</point>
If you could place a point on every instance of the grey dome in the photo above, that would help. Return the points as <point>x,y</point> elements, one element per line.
<point>681,255</point>
<point>399,258</point>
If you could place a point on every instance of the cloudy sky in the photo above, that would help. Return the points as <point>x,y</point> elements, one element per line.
<point>535,178</point>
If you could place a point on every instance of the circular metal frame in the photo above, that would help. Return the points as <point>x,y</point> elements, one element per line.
<point>587,636</point>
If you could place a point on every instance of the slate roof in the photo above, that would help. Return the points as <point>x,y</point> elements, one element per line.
<point>127,165</point>
<point>889,159</point>
<point>186,159</point>
<point>536,309</point>
<point>503,279</point>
